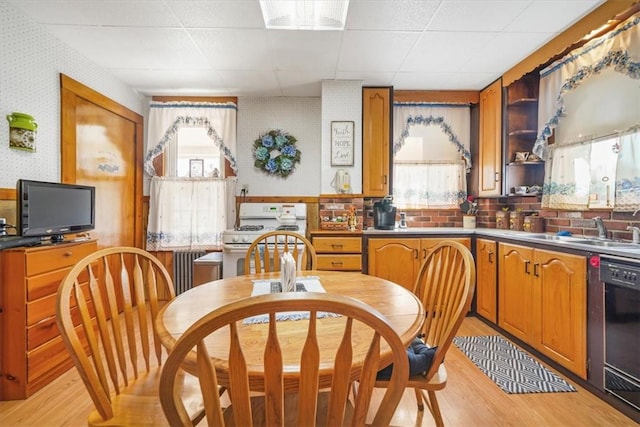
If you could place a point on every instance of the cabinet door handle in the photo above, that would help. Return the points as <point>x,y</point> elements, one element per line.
<point>490,253</point>
<point>424,254</point>
<point>535,269</point>
<point>384,179</point>
<point>336,263</point>
<point>336,245</point>
<point>68,254</point>
<point>497,176</point>
<point>415,253</point>
<point>526,267</point>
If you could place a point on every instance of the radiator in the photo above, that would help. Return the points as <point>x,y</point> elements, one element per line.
<point>183,269</point>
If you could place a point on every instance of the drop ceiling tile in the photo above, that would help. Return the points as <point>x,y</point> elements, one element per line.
<point>304,50</point>
<point>368,79</point>
<point>436,44</point>
<point>394,15</point>
<point>504,51</point>
<point>251,83</point>
<point>473,15</point>
<point>551,16</point>
<point>232,49</point>
<point>218,14</point>
<point>374,50</point>
<point>440,51</point>
<point>94,12</point>
<point>170,82</point>
<point>115,47</point>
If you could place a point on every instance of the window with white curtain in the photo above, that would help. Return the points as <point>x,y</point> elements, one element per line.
<point>431,155</point>
<point>582,175</point>
<point>185,212</point>
<point>590,102</point>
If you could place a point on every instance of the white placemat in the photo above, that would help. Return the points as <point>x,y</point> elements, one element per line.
<point>303,284</point>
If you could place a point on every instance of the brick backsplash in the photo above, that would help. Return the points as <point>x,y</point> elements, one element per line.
<point>338,207</point>
<point>577,222</point>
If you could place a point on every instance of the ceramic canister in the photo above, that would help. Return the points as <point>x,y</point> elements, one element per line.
<point>22,131</point>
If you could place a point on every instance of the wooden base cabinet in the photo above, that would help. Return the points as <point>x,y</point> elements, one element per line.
<point>338,253</point>
<point>543,302</point>
<point>399,259</point>
<point>486,279</point>
<point>32,353</point>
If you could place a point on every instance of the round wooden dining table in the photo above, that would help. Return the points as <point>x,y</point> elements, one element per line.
<point>400,307</point>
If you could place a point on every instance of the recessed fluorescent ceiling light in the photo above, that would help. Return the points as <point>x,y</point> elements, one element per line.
<point>304,14</point>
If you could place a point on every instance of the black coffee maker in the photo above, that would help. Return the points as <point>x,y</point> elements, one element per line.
<point>384,214</point>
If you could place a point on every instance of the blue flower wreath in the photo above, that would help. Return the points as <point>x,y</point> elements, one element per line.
<point>275,153</point>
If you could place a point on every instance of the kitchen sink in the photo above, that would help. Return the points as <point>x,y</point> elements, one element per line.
<point>555,237</point>
<point>608,244</point>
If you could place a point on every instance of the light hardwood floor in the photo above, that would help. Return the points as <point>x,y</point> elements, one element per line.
<point>470,399</point>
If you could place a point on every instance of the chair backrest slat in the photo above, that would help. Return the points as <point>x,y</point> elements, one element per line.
<point>266,250</point>
<point>309,367</point>
<point>274,381</point>
<point>141,306</point>
<point>445,286</point>
<point>273,411</point>
<point>114,318</point>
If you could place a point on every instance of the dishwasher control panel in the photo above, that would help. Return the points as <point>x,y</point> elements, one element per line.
<point>620,272</point>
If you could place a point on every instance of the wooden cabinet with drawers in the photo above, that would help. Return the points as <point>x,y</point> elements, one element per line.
<point>340,253</point>
<point>32,353</point>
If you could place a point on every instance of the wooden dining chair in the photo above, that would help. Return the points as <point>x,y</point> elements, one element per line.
<point>445,286</point>
<point>265,255</point>
<point>105,309</point>
<point>270,409</point>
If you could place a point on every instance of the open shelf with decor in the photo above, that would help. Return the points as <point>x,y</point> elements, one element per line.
<point>522,167</point>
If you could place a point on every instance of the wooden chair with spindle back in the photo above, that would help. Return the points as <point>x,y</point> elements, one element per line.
<point>107,326</point>
<point>263,250</point>
<point>445,286</point>
<point>371,333</point>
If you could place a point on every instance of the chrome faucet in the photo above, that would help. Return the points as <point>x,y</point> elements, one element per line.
<point>602,231</point>
<point>636,233</point>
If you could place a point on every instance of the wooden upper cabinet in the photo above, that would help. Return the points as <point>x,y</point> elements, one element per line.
<point>376,141</point>
<point>490,141</point>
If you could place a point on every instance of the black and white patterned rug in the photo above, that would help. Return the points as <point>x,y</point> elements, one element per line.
<point>511,369</point>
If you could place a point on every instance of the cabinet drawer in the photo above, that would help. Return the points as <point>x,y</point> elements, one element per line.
<point>50,359</point>
<point>340,262</point>
<point>46,284</point>
<point>338,244</point>
<point>41,261</point>
<point>45,358</point>
<point>47,329</point>
<point>46,307</point>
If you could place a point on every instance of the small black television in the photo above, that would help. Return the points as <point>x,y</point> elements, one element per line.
<point>51,209</point>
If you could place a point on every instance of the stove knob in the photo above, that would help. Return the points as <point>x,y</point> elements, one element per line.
<point>245,239</point>
<point>235,239</point>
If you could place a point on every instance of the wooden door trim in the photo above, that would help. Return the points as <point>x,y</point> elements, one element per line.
<point>70,91</point>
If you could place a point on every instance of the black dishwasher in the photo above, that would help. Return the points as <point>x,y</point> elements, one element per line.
<point>621,278</point>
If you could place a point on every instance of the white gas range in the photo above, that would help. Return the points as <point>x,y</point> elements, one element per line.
<point>255,220</point>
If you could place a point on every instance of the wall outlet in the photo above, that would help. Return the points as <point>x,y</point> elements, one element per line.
<point>245,188</point>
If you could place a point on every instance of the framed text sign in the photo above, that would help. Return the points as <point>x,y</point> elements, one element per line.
<point>196,168</point>
<point>341,143</point>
